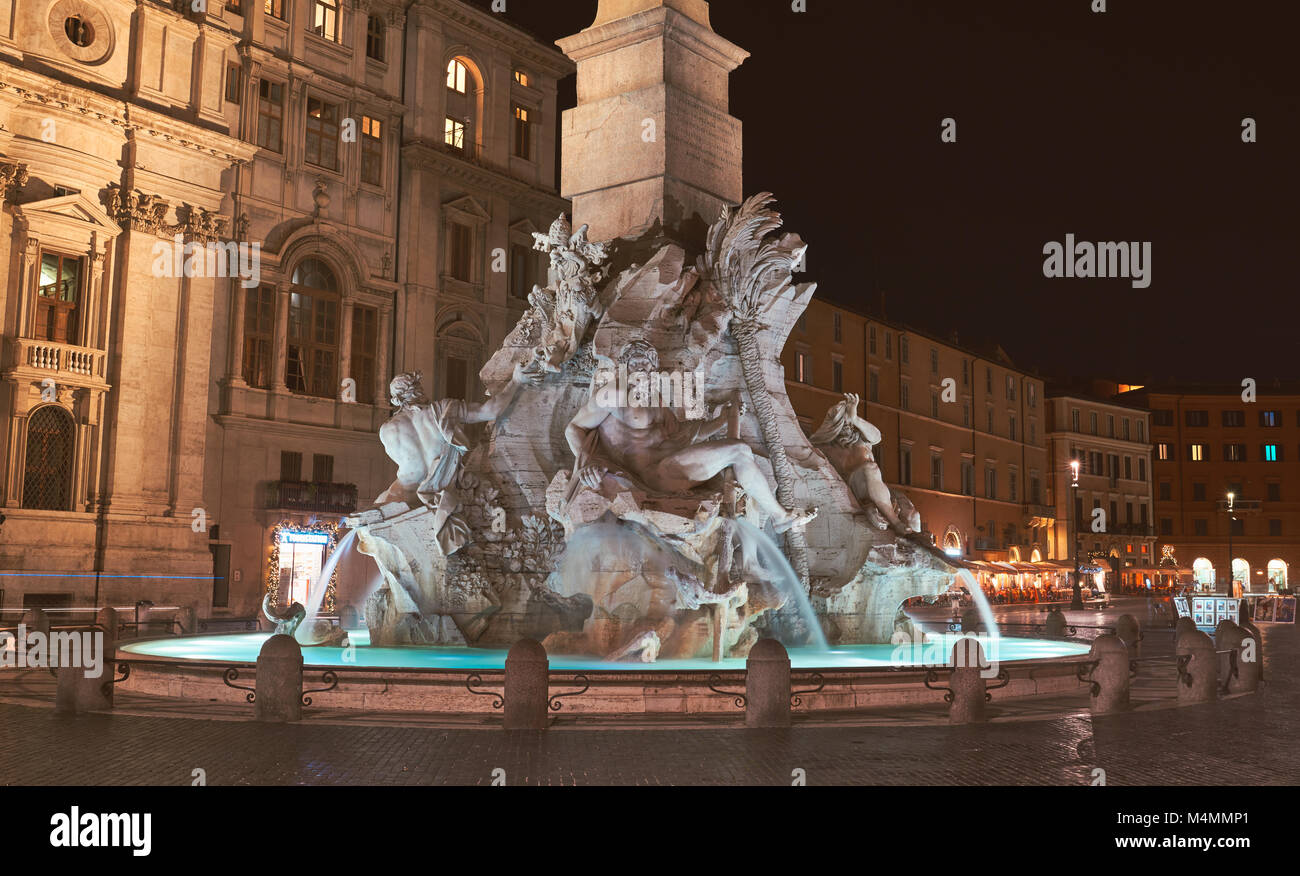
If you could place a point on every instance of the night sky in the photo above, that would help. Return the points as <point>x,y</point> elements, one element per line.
<point>1117,126</point>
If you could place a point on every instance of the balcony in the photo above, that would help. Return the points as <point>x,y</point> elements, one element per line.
<point>312,497</point>
<point>59,358</point>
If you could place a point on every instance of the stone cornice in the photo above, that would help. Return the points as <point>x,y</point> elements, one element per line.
<point>642,26</point>
<point>453,167</point>
<point>522,44</point>
<point>32,88</point>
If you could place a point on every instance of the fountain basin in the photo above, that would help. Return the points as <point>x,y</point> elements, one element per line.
<point>434,680</point>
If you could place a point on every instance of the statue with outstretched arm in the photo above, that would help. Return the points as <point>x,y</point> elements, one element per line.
<point>652,446</point>
<point>847,441</point>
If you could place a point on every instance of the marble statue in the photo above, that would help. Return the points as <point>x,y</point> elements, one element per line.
<point>569,304</point>
<point>649,446</point>
<point>847,441</point>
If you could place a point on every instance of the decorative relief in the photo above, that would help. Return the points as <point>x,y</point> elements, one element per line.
<point>13,176</point>
<point>139,211</point>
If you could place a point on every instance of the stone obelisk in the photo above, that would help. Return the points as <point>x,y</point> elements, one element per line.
<point>650,140</point>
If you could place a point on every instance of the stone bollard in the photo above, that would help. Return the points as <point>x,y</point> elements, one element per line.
<point>1245,656</point>
<point>86,684</point>
<point>527,686</point>
<point>767,685</point>
<point>1130,632</point>
<point>969,687</point>
<point>1185,625</point>
<point>1248,627</point>
<point>1198,681</point>
<point>970,621</point>
<point>1222,633</point>
<point>1111,675</point>
<point>1055,626</point>
<point>279,680</point>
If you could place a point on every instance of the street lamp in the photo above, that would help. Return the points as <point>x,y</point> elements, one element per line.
<point>1076,596</point>
<point>1231,498</point>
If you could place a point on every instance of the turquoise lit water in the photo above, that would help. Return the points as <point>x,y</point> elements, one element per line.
<point>243,648</point>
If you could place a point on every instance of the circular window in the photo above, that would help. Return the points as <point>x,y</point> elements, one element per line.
<point>81,30</point>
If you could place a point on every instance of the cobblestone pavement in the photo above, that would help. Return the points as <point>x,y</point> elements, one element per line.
<point>1239,741</point>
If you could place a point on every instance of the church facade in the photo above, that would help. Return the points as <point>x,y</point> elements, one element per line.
<point>225,227</point>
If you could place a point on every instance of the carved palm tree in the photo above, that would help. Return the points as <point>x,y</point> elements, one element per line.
<point>751,265</point>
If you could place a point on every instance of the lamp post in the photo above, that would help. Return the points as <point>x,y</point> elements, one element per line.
<point>1231,498</point>
<point>1076,596</point>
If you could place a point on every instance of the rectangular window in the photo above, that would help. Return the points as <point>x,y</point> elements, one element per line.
<point>871,339</point>
<point>802,367</point>
<point>1272,453</point>
<point>235,6</point>
<point>311,366</point>
<point>1166,526</point>
<point>259,336</point>
<point>1197,418</point>
<point>1110,425</point>
<point>521,78</point>
<point>1275,528</point>
<point>874,386</point>
<point>1234,452</point>
<point>837,327</point>
<point>1011,428</point>
<point>967,478</point>
<point>376,32</point>
<point>905,466</point>
<point>1198,452</point>
<point>1074,419</point>
<point>1166,491</point>
<point>274,8</point>
<point>234,82</point>
<point>1141,429</point>
<point>523,271</point>
<point>322,468</point>
<point>905,400</point>
<point>1011,388</point>
<point>1124,427</point>
<point>965,414</point>
<point>1035,490</point>
<point>1031,391</point>
<point>372,151</point>
<point>460,251</point>
<point>934,361</point>
<point>1012,488</point>
<point>990,483</point>
<point>1234,418</point>
<point>325,19</point>
<point>1201,527</point>
<point>58,297</point>
<point>523,134</point>
<point>290,466</point>
<point>1274,492</point>
<point>365,352</point>
<point>934,404</point>
<point>902,349</point>
<point>270,115</point>
<point>1198,492</point>
<point>1270,419</point>
<point>989,413</point>
<point>1092,422</point>
<point>936,472</point>
<point>837,376</point>
<point>1238,526</point>
<point>1162,417</point>
<point>1128,468</point>
<point>322,146</point>
<point>988,380</point>
<point>454,135</point>
<point>1162,451</point>
<point>889,345</point>
<point>1142,468</point>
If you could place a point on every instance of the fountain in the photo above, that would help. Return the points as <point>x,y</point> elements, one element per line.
<point>636,490</point>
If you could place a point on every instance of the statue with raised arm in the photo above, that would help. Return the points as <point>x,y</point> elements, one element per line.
<point>427,441</point>
<point>642,446</point>
<point>568,305</point>
<point>846,440</point>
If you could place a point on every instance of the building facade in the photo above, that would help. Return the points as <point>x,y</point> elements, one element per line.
<point>964,432</point>
<point>1226,481</point>
<point>1109,507</point>
<point>224,231</point>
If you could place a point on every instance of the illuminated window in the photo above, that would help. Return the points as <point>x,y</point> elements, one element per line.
<point>1198,452</point>
<point>322,143</point>
<point>523,131</point>
<point>1270,419</point>
<point>312,343</point>
<point>259,336</point>
<point>372,151</point>
<point>457,74</point>
<point>270,115</point>
<point>455,134</point>
<point>1272,453</point>
<point>802,367</point>
<point>521,78</point>
<point>1162,451</point>
<point>57,298</point>
<point>325,19</point>
<point>274,8</point>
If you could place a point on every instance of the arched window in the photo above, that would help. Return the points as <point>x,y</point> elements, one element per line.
<point>1276,575</point>
<point>1036,556</point>
<point>952,542</point>
<point>462,105</point>
<point>1203,571</point>
<point>312,342</point>
<point>1241,572</point>
<point>1013,553</point>
<point>47,477</point>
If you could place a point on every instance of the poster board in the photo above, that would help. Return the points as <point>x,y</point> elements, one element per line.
<point>1274,610</point>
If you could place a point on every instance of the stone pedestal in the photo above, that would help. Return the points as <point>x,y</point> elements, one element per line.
<point>968,683</point>
<point>527,686</point>
<point>1127,629</point>
<point>279,680</point>
<point>767,685</point>
<point>1111,675</point>
<point>86,684</point>
<point>650,139</point>
<point>1199,679</point>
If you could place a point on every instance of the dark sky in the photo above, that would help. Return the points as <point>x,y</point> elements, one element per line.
<point>1117,126</point>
